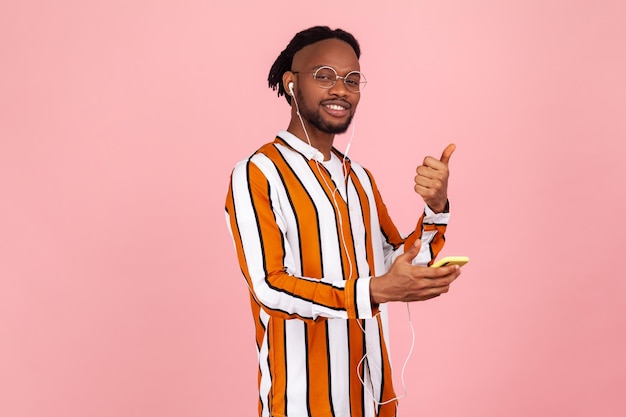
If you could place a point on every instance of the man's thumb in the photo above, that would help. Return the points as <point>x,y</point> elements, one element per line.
<point>412,252</point>
<point>447,153</point>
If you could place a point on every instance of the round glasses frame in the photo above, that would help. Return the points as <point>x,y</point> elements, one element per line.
<point>354,81</point>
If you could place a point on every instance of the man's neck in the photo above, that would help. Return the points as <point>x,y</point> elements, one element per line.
<point>321,141</point>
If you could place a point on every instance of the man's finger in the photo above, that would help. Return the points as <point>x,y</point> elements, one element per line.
<point>447,153</point>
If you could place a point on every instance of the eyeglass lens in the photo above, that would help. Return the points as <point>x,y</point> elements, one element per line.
<point>326,77</point>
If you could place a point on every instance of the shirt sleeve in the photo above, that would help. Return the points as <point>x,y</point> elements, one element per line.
<point>430,229</point>
<point>259,229</point>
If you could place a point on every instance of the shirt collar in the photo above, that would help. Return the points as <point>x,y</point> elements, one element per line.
<point>301,146</point>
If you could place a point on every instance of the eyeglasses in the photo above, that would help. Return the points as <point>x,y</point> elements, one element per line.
<point>326,77</point>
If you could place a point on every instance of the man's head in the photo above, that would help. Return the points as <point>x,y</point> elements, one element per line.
<point>323,67</point>
<point>302,39</point>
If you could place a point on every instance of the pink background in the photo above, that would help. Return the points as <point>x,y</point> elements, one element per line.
<point>120,122</point>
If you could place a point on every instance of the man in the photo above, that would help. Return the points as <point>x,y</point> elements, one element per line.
<point>317,247</point>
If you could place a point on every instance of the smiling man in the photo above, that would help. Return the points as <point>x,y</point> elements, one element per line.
<point>318,249</point>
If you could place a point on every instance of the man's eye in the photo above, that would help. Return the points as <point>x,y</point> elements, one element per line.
<point>325,74</point>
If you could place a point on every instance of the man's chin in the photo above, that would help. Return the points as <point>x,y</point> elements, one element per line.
<point>334,128</point>
<point>326,126</point>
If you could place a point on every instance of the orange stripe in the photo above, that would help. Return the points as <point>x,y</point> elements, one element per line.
<point>318,367</point>
<point>356,354</point>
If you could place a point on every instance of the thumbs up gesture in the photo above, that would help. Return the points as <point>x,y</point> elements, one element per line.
<point>431,181</point>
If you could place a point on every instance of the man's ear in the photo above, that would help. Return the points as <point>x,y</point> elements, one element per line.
<point>288,78</point>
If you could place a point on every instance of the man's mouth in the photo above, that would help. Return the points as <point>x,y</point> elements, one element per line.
<point>335,107</point>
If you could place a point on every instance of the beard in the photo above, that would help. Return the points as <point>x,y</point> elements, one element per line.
<point>315,119</point>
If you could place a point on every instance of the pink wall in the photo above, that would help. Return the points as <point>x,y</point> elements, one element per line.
<point>119,125</point>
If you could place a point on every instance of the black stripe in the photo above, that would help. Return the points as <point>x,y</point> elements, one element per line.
<point>356,306</point>
<point>437,224</point>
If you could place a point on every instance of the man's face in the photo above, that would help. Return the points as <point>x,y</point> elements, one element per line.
<point>329,110</point>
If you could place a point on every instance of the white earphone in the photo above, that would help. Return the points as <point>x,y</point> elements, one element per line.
<point>290,86</point>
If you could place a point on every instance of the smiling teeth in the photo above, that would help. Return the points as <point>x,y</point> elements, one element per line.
<point>335,107</point>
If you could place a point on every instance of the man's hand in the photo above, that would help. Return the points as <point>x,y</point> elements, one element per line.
<point>431,181</point>
<point>407,282</point>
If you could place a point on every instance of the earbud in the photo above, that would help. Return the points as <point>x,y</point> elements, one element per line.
<point>290,86</point>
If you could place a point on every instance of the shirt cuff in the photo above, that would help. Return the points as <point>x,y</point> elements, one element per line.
<point>364,308</point>
<point>430,217</point>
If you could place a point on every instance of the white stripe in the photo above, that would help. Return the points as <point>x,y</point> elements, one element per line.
<point>339,364</point>
<point>424,256</point>
<point>265,383</point>
<point>297,378</point>
<point>363,299</point>
<point>374,356</point>
<point>246,221</point>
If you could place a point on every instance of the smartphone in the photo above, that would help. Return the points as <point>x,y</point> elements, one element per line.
<point>451,260</point>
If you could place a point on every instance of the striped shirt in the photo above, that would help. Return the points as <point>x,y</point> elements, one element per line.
<point>308,247</point>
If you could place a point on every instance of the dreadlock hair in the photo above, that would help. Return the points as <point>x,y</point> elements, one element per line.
<point>302,39</point>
